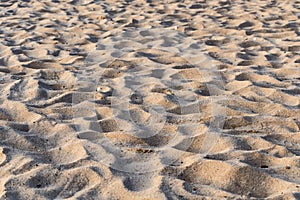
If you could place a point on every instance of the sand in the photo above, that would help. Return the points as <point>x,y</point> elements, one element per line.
<point>174,99</point>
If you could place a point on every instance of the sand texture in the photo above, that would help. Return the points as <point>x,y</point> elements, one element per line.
<point>146,99</point>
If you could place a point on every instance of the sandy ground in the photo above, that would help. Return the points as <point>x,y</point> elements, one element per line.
<point>149,99</point>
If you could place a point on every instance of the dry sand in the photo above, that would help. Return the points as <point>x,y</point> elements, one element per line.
<point>149,99</point>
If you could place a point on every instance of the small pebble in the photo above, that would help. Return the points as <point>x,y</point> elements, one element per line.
<point>104,89</point>
<point>136,99</point>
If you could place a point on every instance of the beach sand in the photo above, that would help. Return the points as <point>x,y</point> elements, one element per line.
<point>174,99</point>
